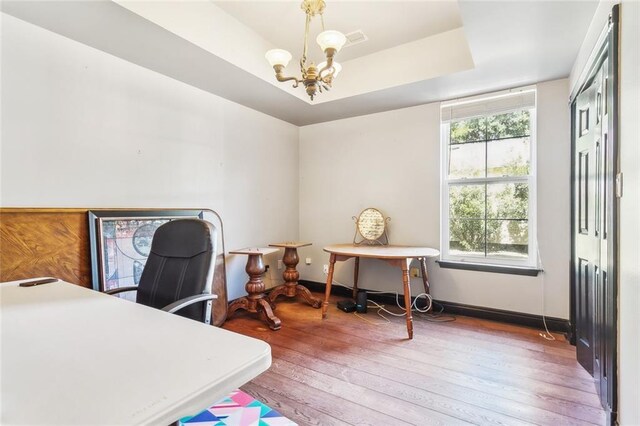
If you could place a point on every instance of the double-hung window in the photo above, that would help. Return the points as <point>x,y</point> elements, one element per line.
<point>488,180</point>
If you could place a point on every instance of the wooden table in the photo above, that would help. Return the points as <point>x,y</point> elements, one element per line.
<point>291,288</point>
<point>74,356</point>
<point>255,300</point>
<point>400,256</point>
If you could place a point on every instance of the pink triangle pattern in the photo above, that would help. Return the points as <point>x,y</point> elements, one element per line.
<point>237,409</point>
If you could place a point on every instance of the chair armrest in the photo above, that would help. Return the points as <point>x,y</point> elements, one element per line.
<point>187,301</point>
<point>121,290</point>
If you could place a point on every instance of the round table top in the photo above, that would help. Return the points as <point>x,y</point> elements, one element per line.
<point>381,252</point>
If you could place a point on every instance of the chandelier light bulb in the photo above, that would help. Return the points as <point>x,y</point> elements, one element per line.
<point>331,39</point>
<point>278,57</point>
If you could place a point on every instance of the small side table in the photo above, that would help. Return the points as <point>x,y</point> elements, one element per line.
<point>255,301</point>
<point>291,288</point>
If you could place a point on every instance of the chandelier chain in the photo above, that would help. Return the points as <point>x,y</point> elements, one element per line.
<point>303,60</point>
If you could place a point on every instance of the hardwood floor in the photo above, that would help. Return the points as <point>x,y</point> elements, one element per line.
<point>344,370</point>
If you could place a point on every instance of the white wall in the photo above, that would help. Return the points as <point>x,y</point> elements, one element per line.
<point>629,243</point>
<point>84,128</point>
<point>598,23</point>
<point>390,161</point>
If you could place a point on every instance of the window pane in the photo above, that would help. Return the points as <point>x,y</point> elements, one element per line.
<point>471,130</point>
<point>467,160</point>
<point>466,201</point>
<point>508,157</point>
<point>508,200</point>
<point>510,125</point>
<point>507,238</point>
<point>466,236</point>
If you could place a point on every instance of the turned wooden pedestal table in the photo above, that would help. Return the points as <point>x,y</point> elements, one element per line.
<point>291,288</point>
<point>255,301</point>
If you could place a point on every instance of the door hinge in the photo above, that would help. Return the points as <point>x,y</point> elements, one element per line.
<point>619,185</point>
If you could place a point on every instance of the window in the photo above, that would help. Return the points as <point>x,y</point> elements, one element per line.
<point>488,180</point>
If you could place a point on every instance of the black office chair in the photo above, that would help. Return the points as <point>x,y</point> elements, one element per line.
<point>178,274</point>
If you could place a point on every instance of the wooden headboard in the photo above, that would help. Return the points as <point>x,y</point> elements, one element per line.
<point>45,242</point>
<point>37,242</point>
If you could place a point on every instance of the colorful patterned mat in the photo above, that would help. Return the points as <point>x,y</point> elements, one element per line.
<point>238,409</point>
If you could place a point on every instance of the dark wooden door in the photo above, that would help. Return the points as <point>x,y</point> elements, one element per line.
<point>585,240</point>
<point>594,220</point>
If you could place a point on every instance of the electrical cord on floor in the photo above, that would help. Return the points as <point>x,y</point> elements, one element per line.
<point>385,322</point>
<point>433,316</point>
<point>547,335</point>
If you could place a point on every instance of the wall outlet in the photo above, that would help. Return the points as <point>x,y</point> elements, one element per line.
<point>307,261</point>
<point>325,269</point>
<point>414,269</point>
<point>279,264</point>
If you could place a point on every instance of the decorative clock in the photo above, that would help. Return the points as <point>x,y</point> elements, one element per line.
<point>371,226</point>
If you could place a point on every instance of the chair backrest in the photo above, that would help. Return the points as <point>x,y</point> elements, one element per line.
<point>181,264</point>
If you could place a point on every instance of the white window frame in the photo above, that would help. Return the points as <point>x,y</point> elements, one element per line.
<point>532,259</point>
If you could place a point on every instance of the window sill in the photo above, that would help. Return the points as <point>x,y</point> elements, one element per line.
<point>483,267</point>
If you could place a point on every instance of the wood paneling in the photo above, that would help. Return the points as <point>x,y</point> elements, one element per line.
<point>343,370</point>
<point>45,242</point>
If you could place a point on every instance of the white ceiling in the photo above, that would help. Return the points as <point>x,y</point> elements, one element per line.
<point>411,61</point>
<point>386,23</point>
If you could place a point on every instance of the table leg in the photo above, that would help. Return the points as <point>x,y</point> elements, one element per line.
<point>327,292</point>
<point>407,296</point>
<point>356,269</point>
<point>265,312</point>
<point>425,279</point>
<point>255,301</point>
<point>291,288</point>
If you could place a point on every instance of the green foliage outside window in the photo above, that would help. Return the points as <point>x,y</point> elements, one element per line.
<point>492,218</point>
<point>510,125</point>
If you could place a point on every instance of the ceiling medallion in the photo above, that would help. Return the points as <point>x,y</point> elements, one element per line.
<point>315,78</point>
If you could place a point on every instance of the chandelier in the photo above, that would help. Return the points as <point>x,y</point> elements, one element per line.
<point>315,78</point>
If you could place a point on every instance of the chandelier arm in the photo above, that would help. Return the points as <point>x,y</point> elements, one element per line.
<point>294,79</point>
<point>281,78</point>
<point>329,53</point>
<point>327,80</point>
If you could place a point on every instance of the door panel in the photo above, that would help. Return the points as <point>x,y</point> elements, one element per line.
<point>583,192</point>
<point>584,310</point>
<point>585,244</point>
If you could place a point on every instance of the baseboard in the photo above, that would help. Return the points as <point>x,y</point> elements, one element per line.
<point>558,325</point>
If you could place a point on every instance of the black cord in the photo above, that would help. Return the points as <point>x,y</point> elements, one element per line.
<point>438,316</point>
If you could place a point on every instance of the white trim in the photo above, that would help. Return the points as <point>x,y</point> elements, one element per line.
<point>495,179</point>
<point>487,96</point>
<point>444,191</point>
<point>533,188</point>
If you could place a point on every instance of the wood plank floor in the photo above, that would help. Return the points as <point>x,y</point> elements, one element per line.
<point>347,371</point>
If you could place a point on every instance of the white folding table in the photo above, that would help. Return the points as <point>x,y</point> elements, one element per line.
<point>73,356</point>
